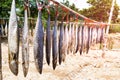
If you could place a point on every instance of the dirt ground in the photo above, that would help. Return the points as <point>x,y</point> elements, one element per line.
<point>89,66</point>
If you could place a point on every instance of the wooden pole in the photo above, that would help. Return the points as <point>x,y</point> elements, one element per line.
<point>110,17</point>
<point>77,14</point>
<point>107,30</point>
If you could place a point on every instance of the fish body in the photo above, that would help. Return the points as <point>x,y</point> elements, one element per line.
<point>78,40</point>
<point>85,38</point>
<point>2,30</point>
<point>102,34</point>
<point>94,36</point>
<point>13,41</point>
<point>48,41</point>
<point>39,43</point>
<point>61,42</point>
<point>25,44</point>
<point>88,41</point>
<point>66,40</point>
<point>82,36</point>
<point>99,34</point>
<point>70,39</point>
<point>97,38</point>
<point>91,35</point>
<point>54,45</point>
<point>6,29</point>
<point>75,34</point>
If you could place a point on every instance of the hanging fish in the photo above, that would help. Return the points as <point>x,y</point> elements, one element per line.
<point>94,36</point>
<point>39,43</point>
<point>91,32</point>
<point>54,45</point>
<point>61,40</point>
<point>72,38</point>
<point>79,39</point>
<point>88,41</point>
<point>77,47</point>
<point>90,35</point>
<point>69,42</point>
<point>75,34</point>
<point>101,37</point>
<point>25,42</point>
<point>82,36</point>
<point>97,35</point>
<point>0,60</point>
<point>2,29</point>
<point>48,40</point>
<point>6,29</point>
<point>13,41</point>
<point>86,38</point>
<point>66,39</point>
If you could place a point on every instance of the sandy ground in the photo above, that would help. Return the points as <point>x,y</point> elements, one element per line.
<point>85,67</point>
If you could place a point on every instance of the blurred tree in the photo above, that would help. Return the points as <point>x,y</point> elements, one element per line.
<point>66,2</point>
<point>100,10</point>
<point>73,7</point>
<point>5,6</point>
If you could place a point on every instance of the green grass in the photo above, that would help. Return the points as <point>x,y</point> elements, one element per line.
<point>114,29</point>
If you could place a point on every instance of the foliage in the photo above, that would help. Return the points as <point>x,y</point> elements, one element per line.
<point>5,6</point>
<point>114,29</point>
<point>100,10</point>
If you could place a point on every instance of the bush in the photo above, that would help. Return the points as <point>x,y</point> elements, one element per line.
<point>114,28</point>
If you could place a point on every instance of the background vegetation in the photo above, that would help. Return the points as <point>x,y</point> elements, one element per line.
<point>98,11</point>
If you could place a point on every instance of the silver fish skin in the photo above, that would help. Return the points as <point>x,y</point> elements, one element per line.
<point>94,36</point>
<point>102,34</point>
<point>2,30</point>
<point>88,41</point>
<point>66,40</point>
<point>75,34</point>
<point>62,44</point>
<point>54,45</point>
<point>69,42</point>
<point>6,29</point>
<point>39,43</point>
<point>97,35</point>
<point>72,38</point>
<point>85,38</point>
<point>82,38</point>
<point>48,41</point>
<point>25,45</point>
<point>13,41</point>
<point>79,38</point>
